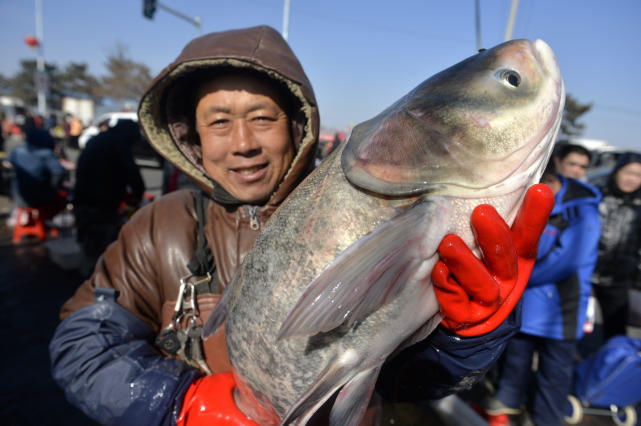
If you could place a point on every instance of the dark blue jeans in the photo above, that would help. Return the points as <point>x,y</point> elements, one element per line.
<point>546,398</point>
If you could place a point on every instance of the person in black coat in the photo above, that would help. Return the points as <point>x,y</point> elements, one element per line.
<point>619,263</point>
<point>106,175</point>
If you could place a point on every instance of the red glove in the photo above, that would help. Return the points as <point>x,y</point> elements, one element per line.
<point>475,298</point>
<point>209,401</point>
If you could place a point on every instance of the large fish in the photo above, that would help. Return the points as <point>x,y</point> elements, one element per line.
<point>339,279</point>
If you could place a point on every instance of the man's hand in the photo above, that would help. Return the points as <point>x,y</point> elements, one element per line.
<point>475,297</point>
<point>209,401</point>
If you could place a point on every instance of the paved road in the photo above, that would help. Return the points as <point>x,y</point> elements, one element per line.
<point>32,289</point>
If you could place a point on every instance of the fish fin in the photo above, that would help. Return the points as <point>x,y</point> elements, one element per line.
<point>369,273</point>
<point>332,378</point>
<point>353,399</point>
<point>219,314</point>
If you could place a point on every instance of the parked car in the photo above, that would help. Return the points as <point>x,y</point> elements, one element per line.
<point>143,152</point>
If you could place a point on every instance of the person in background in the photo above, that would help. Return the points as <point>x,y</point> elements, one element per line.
<point>554,307</point>
<point>106,175</point>
<point>39,176</point>
<point>571,160</point>
<point>75,129</point>
<point>619,263</point>
<point>236,113</point>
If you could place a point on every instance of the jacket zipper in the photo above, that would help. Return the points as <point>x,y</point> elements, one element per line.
<point>254,223</point>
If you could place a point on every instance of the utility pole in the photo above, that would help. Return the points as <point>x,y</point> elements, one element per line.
<point>286,20</point>
<point>510,21</point>
<point>477,10</point>
<point>42,81</point>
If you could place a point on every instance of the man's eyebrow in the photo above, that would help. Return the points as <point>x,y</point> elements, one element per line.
<point>216,108</point>
<point>254,107</point>
<point>260,105</point>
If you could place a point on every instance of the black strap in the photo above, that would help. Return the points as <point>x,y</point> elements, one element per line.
<point>203,260</point>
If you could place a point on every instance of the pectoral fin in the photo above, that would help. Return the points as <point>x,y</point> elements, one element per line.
<point>353,399</point>
<point>369,273</point>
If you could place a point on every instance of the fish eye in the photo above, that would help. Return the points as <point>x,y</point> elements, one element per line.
<point>510,78</point>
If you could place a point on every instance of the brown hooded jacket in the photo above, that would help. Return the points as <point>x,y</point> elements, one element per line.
<point>151,254</point>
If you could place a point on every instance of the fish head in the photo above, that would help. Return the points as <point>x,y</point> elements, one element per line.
<point>483,126</point>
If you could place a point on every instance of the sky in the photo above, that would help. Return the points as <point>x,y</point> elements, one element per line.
<point>362,55</point>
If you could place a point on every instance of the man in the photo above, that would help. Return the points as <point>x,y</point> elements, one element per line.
<point>554,307</point>
<point>39,175</point>
<point>237,114</point>
<point>106,175</point>
<point>572,161</point>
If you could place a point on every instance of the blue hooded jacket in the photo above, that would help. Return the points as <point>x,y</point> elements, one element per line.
<point>556,298</point>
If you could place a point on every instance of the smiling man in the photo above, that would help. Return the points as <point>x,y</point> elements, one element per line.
<point>236,113</point>
<point>245,135</point>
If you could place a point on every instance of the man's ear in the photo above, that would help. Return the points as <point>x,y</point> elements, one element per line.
<point>296,129</point>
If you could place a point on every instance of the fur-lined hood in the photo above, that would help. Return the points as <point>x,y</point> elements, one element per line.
<point>166,109</point>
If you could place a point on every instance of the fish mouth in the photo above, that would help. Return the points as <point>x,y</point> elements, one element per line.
<point>545,56</point>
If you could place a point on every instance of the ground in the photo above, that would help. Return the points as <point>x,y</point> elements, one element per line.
<point>32,289</point>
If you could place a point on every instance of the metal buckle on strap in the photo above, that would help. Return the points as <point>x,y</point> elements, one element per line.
<point>186,299</point>
<point>205,279</point>
<point>201,284</point>
<point>182,336</point>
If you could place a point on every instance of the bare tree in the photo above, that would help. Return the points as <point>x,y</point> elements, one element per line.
<point>571,114</point>
<point>125,79</point>
<point>75,79</point>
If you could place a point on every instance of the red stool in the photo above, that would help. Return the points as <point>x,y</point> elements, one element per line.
<point>34,225</point>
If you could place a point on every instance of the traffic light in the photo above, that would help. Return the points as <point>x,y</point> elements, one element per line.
<point>149,8</point>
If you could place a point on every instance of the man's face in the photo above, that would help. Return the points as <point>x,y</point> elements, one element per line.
<point>573,165</point>
<point>245,137</point>
<point>628,178</point>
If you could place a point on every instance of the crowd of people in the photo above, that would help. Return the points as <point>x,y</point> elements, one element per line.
<point>590,247</point>
<point>236,116</point>
<point>93,187</point>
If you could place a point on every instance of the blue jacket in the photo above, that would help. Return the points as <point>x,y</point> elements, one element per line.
<point>38,173</point>
<point>555,300</point>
